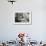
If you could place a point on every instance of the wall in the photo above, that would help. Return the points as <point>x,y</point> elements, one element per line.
<point>37,30</point>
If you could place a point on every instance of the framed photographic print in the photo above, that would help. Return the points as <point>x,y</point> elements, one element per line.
<point>22,18</point>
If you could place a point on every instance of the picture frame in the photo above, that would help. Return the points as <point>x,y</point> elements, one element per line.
<point>22,17</point>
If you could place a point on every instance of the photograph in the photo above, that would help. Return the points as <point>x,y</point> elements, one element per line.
<point>22,18</point>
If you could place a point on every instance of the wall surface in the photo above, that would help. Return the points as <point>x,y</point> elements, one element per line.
<point>9,31</point>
